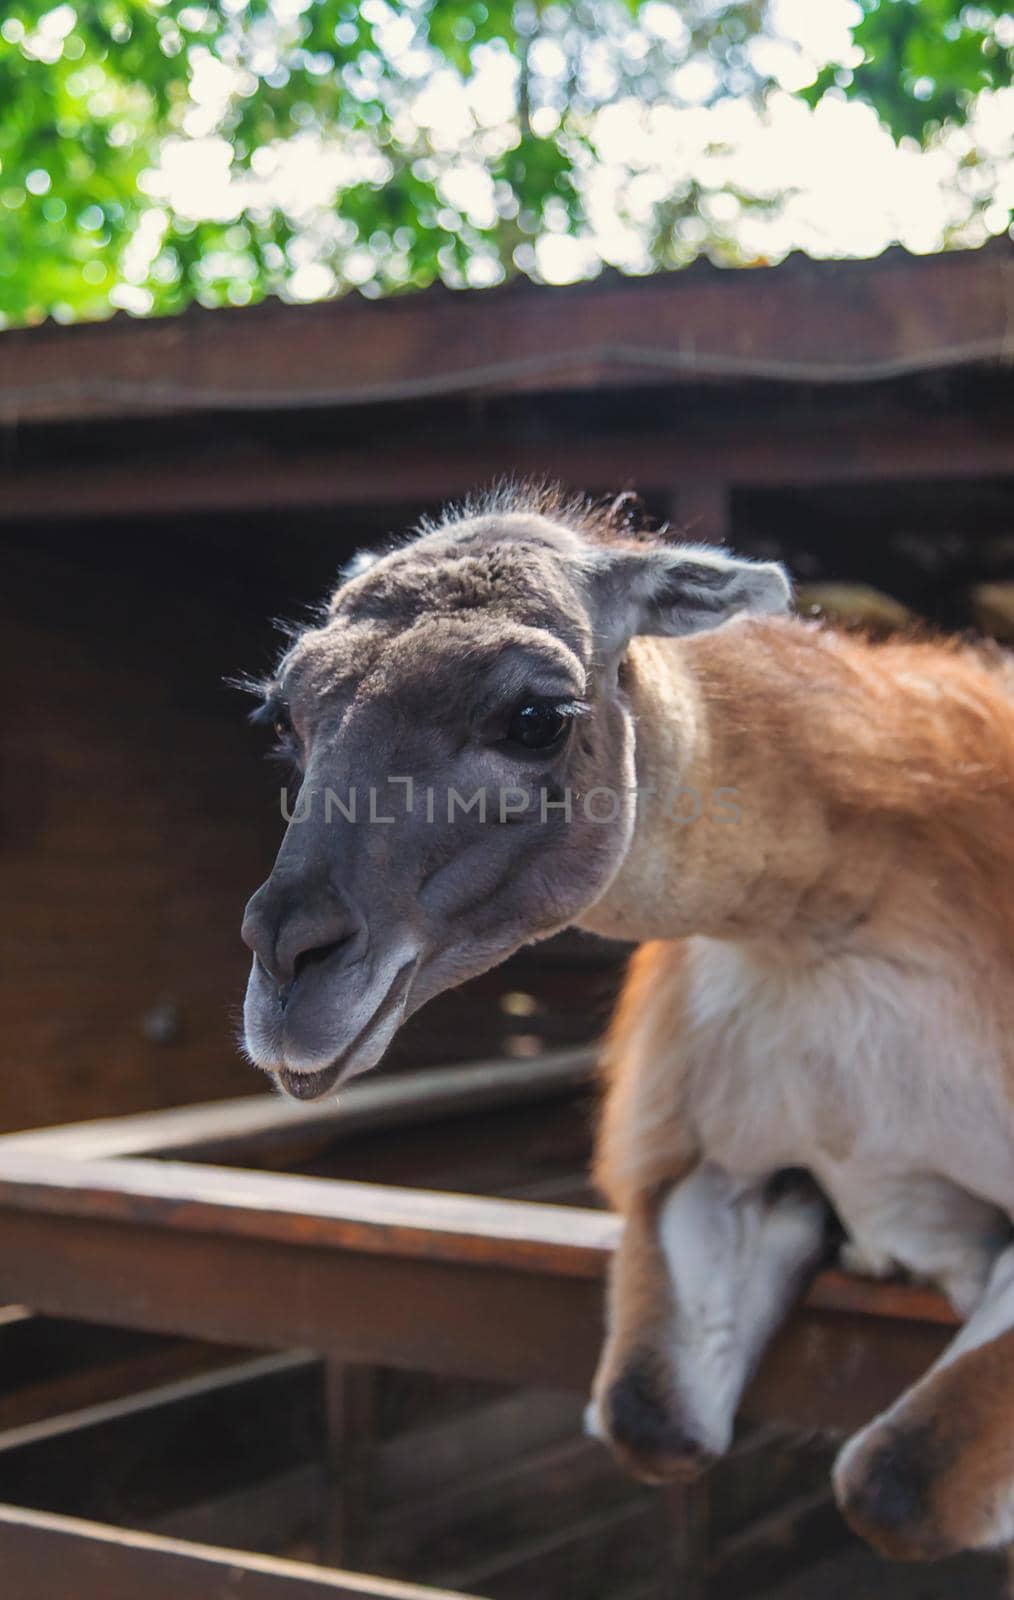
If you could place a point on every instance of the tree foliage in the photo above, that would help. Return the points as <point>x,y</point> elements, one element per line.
<point>98,98</point>
<point>924,62</point>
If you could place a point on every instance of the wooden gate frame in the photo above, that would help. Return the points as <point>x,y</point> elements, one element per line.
<point>130,1222</point>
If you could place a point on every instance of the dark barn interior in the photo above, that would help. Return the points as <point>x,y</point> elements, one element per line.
<point>168,489</point>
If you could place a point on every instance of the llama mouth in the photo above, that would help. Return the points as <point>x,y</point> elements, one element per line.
<point>309,1085</point>
<point>365,1050</point>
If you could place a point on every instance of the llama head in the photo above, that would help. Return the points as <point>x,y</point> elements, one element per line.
<point>467,767</point>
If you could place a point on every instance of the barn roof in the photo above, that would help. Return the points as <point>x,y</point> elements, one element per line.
<point>805,321</point>
<point>694,387</point>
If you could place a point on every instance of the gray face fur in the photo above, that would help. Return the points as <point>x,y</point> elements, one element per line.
<point>480,660</point>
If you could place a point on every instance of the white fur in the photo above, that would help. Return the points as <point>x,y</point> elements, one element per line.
<point>994,1315</point>
<point>844,1063</point>
<point>735,1259</point>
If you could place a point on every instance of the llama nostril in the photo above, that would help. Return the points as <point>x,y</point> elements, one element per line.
<point>293,927</point>
<point>310,958</point>
<point>314,957</point>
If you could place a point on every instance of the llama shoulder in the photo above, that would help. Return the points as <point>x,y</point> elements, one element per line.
<point>912,737</point>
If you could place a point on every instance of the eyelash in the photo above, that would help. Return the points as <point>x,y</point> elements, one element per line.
<point>274,714</point>
<point>567,710</point>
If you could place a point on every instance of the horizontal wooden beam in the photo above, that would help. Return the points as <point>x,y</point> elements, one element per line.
<point>171,1448</point>
<point>450,1283</point>
<point>804,321</point>
<point>43,1556</point>
<point>259,1122</point>
<point>480,1288</point>
<point>51,1365</point>
<point>822,450</point>
<point>306,1213</point>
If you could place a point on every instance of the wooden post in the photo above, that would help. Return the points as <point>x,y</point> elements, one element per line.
<point>683,1540</point>
<point>350,1402</point>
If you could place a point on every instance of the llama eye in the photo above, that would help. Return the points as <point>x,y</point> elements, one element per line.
<point>538,726</point>
<point>276,714</point>
<point>273,713</point>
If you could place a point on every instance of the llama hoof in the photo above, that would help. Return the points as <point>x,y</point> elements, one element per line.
<point>648,1441</point>
<point>883,1482</point>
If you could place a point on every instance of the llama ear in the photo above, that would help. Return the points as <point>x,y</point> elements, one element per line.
<point>359,563</point>
<point>680,589</point>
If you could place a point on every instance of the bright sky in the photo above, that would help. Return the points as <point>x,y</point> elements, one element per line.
<point>850,190</point>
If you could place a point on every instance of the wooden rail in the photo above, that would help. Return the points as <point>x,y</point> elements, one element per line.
<point>459,1284</point>
<point>39,1552</point>
<point>128,1221</point>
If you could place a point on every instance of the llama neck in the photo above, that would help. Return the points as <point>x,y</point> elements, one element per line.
<point>734,839</point>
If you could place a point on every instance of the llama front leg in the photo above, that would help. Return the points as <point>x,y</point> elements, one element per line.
<point>935,1473</point>
<point>702,1279</point>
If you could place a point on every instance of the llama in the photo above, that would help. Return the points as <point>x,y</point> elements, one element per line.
<point>560,722</point>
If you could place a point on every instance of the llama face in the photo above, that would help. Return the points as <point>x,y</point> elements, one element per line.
<point>468,776</point>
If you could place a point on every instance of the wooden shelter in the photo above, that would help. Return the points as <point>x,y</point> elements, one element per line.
<point>168,487</point>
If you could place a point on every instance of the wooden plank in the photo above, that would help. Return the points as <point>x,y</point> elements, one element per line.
<point>350,1407</point>
<point>852,605</point>
<point>406,1401</point>
<point>496,1290</point>
<point>139,1458</point>
<point>319,1212</point>
<point>768,1467</point>
<point>570,1562</point>
<point>38,1552</point>
<point>167,899</point>
<point>859,1573</point>
<point>434,1461</point>
<point>835,1370</point>
<point>824,448</point>
<point>802,321</point>
<point>494,1321</point>
<point>371,1218</point>
<point>253,1124</point>
<point>838,1291</point>
<point>493,1312</point>
<point>528,1497</point>
<point>50,1365</point>
<point>275,1516</point>
<point>773,1548</point>
<point>683,1530</point>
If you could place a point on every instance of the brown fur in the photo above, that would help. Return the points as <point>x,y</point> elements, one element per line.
<point>905,750</point>
<point>876,782</point>
<point>941,1462</point>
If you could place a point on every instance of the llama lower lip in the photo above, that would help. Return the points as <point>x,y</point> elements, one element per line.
<point>309,1085</point>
